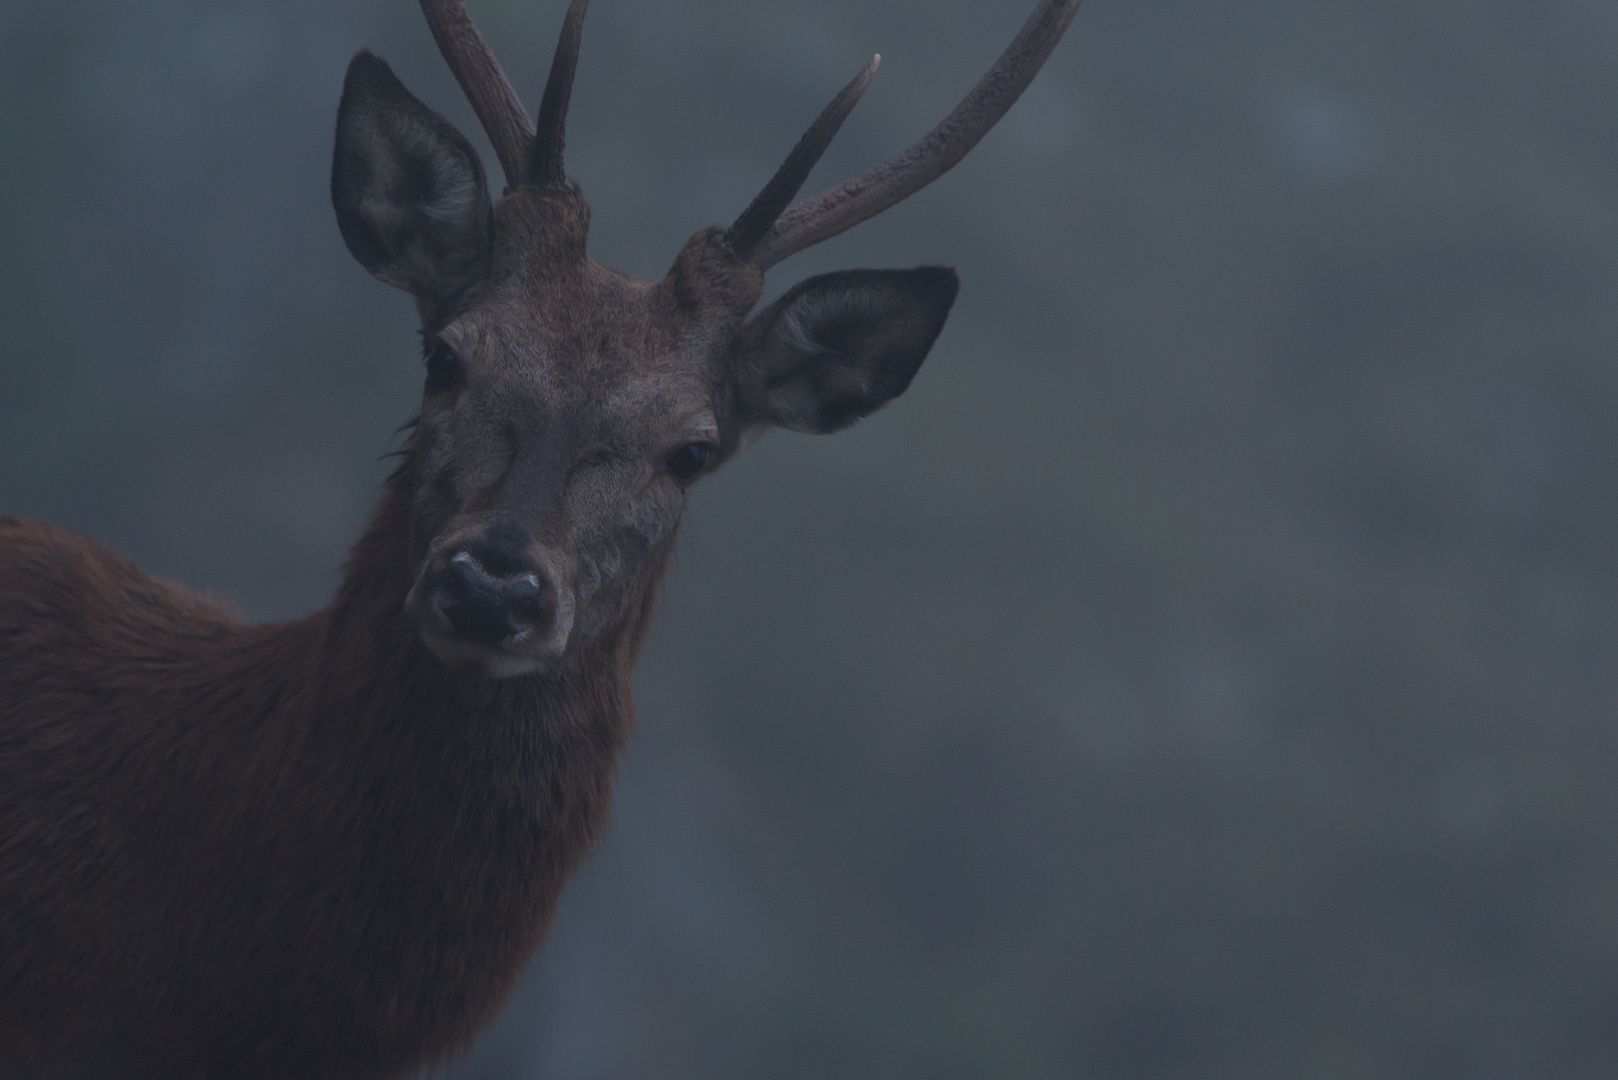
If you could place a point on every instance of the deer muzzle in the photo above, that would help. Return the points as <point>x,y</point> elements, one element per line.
<point>505,613</point>
<point>487,609</point>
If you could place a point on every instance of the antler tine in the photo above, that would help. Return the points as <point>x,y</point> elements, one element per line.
<point>823,216</point>
<point>497,106</point>
<point>762,213</point>
<point>545,166</point>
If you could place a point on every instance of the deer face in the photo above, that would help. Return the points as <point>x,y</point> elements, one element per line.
<point>568,409</point>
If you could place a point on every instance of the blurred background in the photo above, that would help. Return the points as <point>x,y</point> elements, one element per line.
<point>1209,669</point>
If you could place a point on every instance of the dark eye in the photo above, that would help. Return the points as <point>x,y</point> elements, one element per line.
<point>443,368</point>
<point>690,459</point>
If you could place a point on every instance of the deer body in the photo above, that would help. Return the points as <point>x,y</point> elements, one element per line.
<point>324,848</point>
<point>298,850</point>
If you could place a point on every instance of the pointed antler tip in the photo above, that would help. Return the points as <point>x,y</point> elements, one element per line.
<point>867,73</point>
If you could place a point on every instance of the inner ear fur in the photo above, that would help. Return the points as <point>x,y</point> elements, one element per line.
<point>409,190</point>
<point>840,346</point>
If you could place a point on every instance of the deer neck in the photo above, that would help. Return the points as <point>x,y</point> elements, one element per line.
<point>541,747</point>
<point>452,806</point>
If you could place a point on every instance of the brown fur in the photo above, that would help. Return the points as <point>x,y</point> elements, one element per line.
<point>303,849</point>
<point>323,849</point>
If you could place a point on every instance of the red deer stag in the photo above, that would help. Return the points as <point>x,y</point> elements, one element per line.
<point>324,848</point>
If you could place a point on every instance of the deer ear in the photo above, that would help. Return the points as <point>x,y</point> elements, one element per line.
<point>840,346</point>
<point>411,199</point>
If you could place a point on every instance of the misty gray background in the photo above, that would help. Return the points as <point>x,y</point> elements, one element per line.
<point>1208,669</point>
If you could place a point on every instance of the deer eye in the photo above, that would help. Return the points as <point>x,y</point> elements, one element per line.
<point>690,459</point>
<point>443,368</point>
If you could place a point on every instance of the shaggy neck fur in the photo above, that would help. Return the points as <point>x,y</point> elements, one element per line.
<point>451,806</point>
<point>305,849</point>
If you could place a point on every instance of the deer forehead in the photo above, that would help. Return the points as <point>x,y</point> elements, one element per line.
<point>603,387</point>
<point>625,361</point>
<point>545,304</point>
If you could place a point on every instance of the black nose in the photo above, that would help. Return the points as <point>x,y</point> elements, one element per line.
<point>487,608</point>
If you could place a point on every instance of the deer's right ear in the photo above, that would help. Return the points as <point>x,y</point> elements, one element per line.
<point>411,199</point>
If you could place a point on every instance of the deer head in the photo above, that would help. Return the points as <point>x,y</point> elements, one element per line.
<point>568,408</point>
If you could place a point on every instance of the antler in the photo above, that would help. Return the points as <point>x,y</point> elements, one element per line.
<point>527,156</point>
<point>762,212</point>
<point>823,216</point>
<point>769,230</point>
<point>545,166</point>
<point>486,86</point>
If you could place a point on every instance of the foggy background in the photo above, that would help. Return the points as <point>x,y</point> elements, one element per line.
<point>1209,669</point>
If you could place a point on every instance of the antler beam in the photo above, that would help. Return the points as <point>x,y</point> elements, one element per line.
<point>497,105</point>
<point>809,221</point>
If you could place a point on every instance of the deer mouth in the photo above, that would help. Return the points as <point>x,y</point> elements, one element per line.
<point>492,662</point>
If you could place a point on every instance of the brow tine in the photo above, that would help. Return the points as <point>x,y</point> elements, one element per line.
<point>761,214</point>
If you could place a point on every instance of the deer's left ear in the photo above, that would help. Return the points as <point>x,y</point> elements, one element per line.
<point>408,188</point>
<point>840,346</point>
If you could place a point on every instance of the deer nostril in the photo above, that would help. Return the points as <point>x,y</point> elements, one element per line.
<point>485,608</point>
<point>455,581</point>
<point>468,598</point>
<point>525,602</point>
